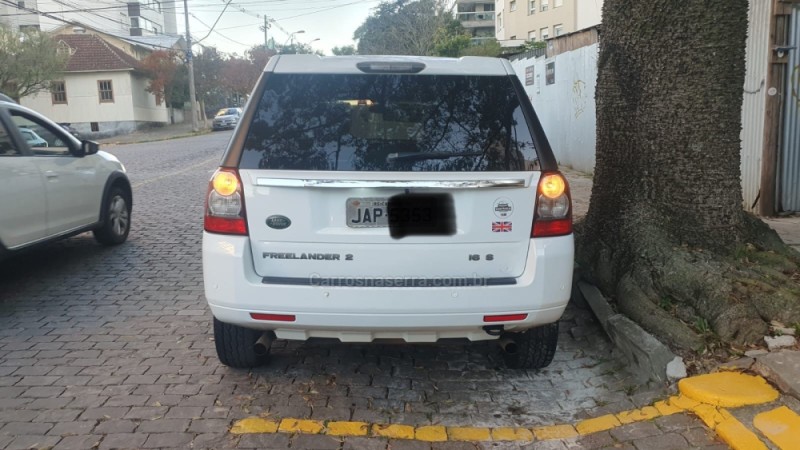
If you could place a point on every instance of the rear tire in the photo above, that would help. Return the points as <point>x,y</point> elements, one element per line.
<point>535,347</point>
<point>116,218</point>
<point>236,346</point>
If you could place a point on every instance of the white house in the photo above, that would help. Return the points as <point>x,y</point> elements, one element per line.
<point>102,92</point>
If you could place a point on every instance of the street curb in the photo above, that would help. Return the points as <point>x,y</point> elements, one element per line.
<point>648,355</point>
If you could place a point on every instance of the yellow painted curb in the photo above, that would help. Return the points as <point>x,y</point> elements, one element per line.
<point>301,426</point>
<point>347,429</point>
<point>728,389</point>
<point>471,434</point>
<point>511,434</point>
<point>638,415</point>
<point>554,432</point>
<point>393,431</point>
<point>665,409</point>
<point>434,433</point>
<point>597,424</point>
<point>252,425</point>
<point>781,426</point>
<point>735,434</point>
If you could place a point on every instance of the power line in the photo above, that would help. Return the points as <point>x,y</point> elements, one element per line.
<point>216,21</point>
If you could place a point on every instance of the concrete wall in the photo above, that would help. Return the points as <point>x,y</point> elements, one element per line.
<point>566,108</point>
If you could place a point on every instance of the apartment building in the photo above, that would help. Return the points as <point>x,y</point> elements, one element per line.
<point>537,20</point>
<point>131,18</point>
<point>477,17</point>
<point>17,15</point>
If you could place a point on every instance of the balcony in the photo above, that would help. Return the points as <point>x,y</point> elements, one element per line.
<point>475,19</point>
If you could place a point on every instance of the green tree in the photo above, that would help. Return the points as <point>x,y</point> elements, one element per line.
<point>403,27</point>
<point>665,219</point>
<point>344,50</point>
<point>29,60</point>
<point>451,39</point>
<point>489,47</point>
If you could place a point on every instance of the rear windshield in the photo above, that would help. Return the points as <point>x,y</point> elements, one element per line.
<point>365,122</point>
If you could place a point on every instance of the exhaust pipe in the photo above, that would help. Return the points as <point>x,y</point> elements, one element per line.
<point>262,345</point>
<point>508,345</point>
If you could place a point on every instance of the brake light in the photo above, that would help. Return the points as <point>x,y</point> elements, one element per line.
<point>225,212</point>
<point>553,215</point>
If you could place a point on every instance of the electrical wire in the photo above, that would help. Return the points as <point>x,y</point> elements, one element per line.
<point>215,22</point>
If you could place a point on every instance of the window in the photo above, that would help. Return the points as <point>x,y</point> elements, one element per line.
<point>513,37</point>
<point>531,35</point>
<point>21,4</point>
<point>544,33</point>
<point>532,7</point>
<point>512,5</point>
<point>499,20</point>
<point>58,90</point>
<point>105,91</point>
<point>134,22</point>
<point>388,122</point>
<point>558,30</point>
<point>7,147</point>
<point>41,137</point>
<point>558,3</point>
<point>94,127</point>
<point>545,5</point>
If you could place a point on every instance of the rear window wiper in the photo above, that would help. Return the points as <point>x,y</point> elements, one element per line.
<point>421,156</point>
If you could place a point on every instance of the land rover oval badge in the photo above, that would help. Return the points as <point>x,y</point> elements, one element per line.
<point>278,222</point>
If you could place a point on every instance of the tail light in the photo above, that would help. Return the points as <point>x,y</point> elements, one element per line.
<point>225,213</point>
<point>553,215</point>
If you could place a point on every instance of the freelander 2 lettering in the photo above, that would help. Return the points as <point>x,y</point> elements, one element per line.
<point>316,256</point>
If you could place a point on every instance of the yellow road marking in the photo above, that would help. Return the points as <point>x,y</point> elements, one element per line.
<point>781,426</point>
<point>470,434</point>
<point>703,399</point>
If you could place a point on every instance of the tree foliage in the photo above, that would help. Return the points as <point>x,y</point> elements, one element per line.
<point>344,50</point>
<point>161,67</point>
<point>403,27</point>
<point>29,60</point>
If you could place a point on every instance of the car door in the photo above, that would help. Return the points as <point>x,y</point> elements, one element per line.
<point>71,182</point>
<point>23,202</point>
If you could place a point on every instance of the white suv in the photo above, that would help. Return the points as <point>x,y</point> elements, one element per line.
<point>376,197</point>
<point>54,186</point>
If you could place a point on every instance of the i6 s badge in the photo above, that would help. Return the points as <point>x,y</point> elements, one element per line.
<point>278,222</point>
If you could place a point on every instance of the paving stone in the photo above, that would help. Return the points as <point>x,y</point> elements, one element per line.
<point>677,422</point>
<point>316,442</point>
<point>209,426</point>
<point>168,440</point>
<point>635,431</point>
<point>116,426</point>
<point>164,426</point>
<point>31,441</point>
<point>72,428</point>
<point>364,443</point>
<point>399,444</point>
<point>25,428</point>
<point>78,442</point>
<point>264,441</point>
<point>669,441</point>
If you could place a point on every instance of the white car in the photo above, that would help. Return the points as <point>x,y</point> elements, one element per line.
<point>378,197</point>
<point>226,118</point>
<point>54,186</point>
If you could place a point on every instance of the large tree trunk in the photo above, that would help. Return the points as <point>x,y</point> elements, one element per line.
<point>666,234</point>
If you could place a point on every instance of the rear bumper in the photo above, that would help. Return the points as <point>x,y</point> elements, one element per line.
<point>362,314</point>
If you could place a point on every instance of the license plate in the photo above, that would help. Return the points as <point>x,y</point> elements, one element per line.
<point>369,212</point>
<point>408,214</point>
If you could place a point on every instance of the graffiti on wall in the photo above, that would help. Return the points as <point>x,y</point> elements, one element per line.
<point>579,97</point>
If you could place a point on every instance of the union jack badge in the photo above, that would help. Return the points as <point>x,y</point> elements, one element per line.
<point>501,227</point>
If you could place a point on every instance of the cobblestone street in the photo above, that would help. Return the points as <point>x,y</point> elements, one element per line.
<point>112,348</point>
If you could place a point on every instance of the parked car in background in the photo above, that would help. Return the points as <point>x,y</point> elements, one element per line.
<point>53,185</point>
<point>226,118</point>
<point>388,197</point>
<point>33,139</point>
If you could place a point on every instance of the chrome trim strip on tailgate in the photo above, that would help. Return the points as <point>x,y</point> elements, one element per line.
<point>394,282</point>
<point>443,184</point>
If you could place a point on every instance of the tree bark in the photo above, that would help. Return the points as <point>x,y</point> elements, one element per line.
<point>665,222</point>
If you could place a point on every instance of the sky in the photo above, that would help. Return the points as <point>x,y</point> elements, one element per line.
<point>326,23</point>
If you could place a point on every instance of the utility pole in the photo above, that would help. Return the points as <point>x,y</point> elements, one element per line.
<point>189,59</point>
<point>266,25</point>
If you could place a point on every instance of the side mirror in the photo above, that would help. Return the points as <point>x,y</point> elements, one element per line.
<point>89,147</point>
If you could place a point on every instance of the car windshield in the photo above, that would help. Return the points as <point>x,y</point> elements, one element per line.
<point>226,112</point>
<point>389,123</point>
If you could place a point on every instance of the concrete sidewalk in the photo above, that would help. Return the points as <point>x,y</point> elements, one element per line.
<point>172,131</point>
